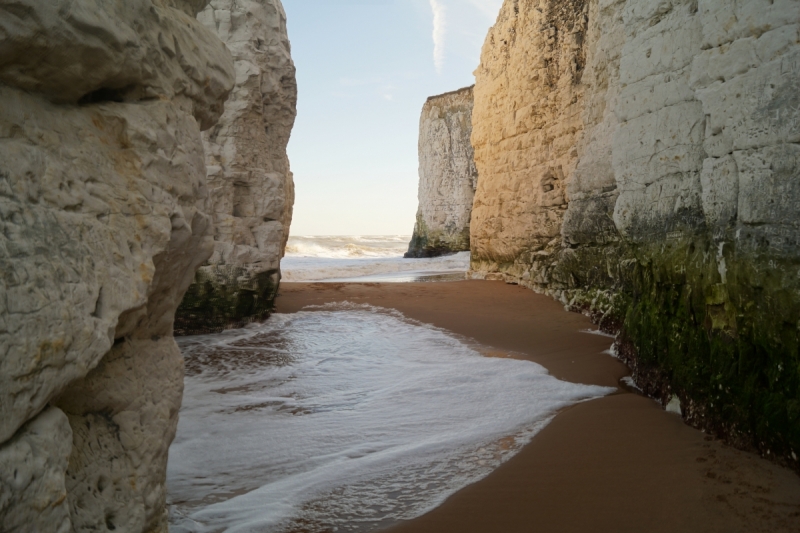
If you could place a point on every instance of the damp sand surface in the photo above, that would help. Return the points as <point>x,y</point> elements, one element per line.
<point>615,464</point>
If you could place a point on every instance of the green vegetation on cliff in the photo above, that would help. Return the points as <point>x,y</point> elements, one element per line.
<point>428,243</point>
<point>709,323</point>
<point>226,297</point>
<point>721,333</point>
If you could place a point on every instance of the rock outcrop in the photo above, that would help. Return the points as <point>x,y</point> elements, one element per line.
<point>102,226</point>
<point>640,161</point>
<point>526,124</point>
<point>251,192</point>
<point>447,176</point>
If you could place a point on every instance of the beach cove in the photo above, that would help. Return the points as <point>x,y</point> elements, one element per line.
<point>617,464</point>
<point>534,266</point>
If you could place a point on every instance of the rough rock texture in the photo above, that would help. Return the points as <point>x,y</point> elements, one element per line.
<point>447,176</point>
<point>250,184</point>
<point>32,466</point>
<point>639,159</point>
<point>102,225</point>
<point>526,124</point>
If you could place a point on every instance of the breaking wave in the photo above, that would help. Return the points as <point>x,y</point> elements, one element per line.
<point>348,246</point>
<point>365,258</point>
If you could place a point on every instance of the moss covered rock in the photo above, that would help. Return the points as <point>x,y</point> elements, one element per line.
<point>223,297</point>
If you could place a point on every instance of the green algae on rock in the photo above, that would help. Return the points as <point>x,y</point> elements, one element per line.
<point>728,350</point>
<point>428,243</point>
<point>226,297</point>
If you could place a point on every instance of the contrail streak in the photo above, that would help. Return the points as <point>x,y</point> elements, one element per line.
<point>439,32</point>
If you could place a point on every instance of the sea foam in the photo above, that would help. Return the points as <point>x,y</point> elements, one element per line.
<point>344,418</point>
<point>364,258</point>
<point>347,246</point>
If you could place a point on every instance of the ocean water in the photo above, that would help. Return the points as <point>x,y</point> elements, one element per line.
<point>345,418</point>
<point>365,258</point>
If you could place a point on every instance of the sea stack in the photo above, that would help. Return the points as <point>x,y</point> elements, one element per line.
<point>640,161</point>
<point>447,176</point>
<point>102,226</point>
<point>251,191</point>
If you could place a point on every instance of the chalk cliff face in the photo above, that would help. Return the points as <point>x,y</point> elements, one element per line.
<point>251,191</point>
<point>102,225</point>
<point>526,124</point>
<point>639,159</point>
<point>447,176</point>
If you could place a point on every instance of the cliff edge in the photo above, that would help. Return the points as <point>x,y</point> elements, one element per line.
<point>639,161</point>
<point>447,176</point>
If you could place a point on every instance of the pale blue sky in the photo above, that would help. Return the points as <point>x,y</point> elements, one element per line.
<point>364,70</point>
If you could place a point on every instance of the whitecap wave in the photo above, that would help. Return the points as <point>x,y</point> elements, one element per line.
<point>365,258</point>
<point>347,246</point>
<point>300,269</point>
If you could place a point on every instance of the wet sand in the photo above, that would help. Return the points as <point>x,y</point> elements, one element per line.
<point>616,464</point>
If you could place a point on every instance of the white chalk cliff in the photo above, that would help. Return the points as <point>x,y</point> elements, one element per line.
<point>640,159</point>
<point>102,226</point>
<point>447,175</point>
<point>251,192</point>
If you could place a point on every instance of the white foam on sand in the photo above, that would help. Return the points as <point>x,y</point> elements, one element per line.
<point>612,351</point>
<point>364,258</point>
<point>598,332</point>
<point>345,418</point>
<point>628,380</point>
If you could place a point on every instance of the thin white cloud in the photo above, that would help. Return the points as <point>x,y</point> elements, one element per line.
<point>490,8</point>
<point>439,33</point>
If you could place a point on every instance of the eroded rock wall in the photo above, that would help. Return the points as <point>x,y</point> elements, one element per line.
<point>447,176</point>
<point>251,192</point>
<point>526,124</point>
<point>677,221</point>
<point>102,191</point>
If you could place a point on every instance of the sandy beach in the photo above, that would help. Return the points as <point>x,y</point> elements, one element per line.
<point>616,464</point>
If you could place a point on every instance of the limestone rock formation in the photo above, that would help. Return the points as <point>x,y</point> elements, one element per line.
<point>447,176</point>
<point>639,159</point>
<point>526,123</point>
<point>33,496</point>
<point>251,192</point>
<point>102,226</point>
